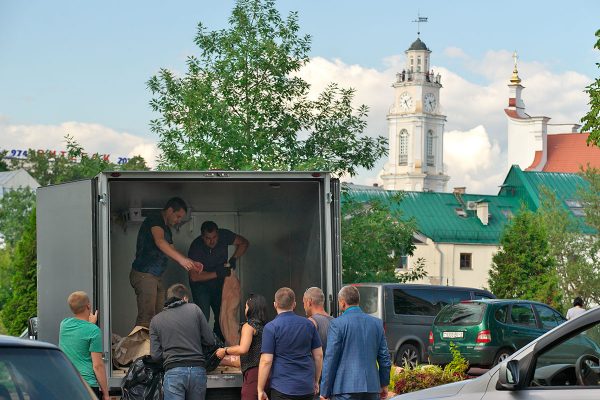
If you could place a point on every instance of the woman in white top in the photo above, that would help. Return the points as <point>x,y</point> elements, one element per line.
<point>577,308</point>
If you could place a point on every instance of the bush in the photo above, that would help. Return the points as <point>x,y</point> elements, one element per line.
<point>405,380</point>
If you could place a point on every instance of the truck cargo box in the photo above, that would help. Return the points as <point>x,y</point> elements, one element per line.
<point>87,230</point>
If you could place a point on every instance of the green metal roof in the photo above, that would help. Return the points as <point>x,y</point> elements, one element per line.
<point>437,218</point>
<point>528,185</point>
<point>436,213</point>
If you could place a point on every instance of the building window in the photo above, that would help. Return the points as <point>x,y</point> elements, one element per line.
<point>466,261</point>
<point>403,147</point>
<point>403,262</point>
<point>460,212</point>
<point>576,207</point>
<point>429,145</point>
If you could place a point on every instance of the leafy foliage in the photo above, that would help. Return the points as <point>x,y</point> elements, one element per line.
<point>524,266</point>
<point>15,207</point>
<point>575,253</point>
<point>6,273</point>
<point>591,121</point>
<point>22,305</point>
<point>374,238</point>
<point>408,379</point>
<point>243,106</point>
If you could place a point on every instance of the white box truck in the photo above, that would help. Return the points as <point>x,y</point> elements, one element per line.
<point>87,230</point>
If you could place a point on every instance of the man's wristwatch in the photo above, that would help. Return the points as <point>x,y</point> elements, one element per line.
<point>226,351</point>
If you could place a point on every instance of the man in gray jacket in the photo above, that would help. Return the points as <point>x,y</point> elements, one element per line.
<point>177,337</point>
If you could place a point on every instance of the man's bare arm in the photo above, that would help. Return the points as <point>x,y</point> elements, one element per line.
<point>264,368</point>
<point>158,234</point>
<point>100,373</point>
<point>241,245</point>
<point>318,358</point>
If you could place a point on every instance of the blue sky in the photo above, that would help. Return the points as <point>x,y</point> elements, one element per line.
<point>88,62</point>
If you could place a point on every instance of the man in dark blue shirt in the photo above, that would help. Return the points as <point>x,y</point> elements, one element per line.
<point>211,249</point>
<point>291,352</point>
<point>154,247</point>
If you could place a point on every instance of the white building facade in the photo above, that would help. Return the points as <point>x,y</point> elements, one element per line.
<point>416,127</point>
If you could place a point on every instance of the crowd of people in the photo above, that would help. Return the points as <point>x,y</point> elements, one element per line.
<point>290,357</point>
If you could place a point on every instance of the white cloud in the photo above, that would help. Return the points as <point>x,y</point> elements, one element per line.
<point>94,138</point>
<point>473,160</point>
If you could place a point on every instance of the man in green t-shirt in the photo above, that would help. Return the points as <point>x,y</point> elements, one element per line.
<point>81,340</point>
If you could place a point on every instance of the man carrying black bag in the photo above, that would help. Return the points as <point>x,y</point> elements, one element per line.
<point>178,336</point>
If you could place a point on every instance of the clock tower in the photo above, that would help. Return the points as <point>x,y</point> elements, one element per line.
<point>416,127</point>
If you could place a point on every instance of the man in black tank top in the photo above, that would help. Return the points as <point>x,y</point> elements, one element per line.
<point>313,300</point>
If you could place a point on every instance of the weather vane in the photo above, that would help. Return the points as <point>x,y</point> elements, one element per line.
<point>418,21</point>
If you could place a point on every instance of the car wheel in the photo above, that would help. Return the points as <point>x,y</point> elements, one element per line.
<point>408,354</point>
<point>502,355</point>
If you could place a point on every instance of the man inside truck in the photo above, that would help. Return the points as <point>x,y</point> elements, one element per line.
<point>153,249</point>
<point>211,249</point>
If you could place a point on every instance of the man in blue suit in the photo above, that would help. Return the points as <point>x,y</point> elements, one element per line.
<point>357,362</point>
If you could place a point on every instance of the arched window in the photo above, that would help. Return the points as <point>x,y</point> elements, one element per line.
<point>419,64</point>
<point>403,147</point>
<point>430,148</point>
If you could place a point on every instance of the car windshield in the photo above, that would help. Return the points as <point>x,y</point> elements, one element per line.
<point>368,299</point>
<point>462,314</point>
<point>31,373</point>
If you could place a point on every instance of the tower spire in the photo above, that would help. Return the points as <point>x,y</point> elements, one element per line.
<point>515,75</point>
<point>418,21</point>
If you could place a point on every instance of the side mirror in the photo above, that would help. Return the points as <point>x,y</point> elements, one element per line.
<point>508,376</point>
<point>32,328</point>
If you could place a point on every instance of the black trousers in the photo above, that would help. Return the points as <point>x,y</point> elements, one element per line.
<point>277,395</point>
<point>207,295</point>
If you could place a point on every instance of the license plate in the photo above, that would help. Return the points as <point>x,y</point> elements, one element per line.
<point>452,335</point>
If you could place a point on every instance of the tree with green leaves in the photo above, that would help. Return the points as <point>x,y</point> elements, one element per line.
<point>591,121</point>
<point>22,305</point>
<point>524,267</point>
<point>375,236</point>
<point>242,104</point>
<point>572,249</point>
<point>15,207</point>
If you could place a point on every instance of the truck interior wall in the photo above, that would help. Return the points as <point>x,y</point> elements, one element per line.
<point>281,220</point>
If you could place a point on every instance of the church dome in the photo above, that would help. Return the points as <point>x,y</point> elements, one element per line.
<point>418,45</point>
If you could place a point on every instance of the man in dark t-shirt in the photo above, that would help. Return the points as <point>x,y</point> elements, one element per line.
<point>211,249</point>
<point>153,249</point>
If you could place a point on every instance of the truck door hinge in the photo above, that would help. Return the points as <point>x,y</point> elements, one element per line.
<point>328,197</point>
<point>103,199</point>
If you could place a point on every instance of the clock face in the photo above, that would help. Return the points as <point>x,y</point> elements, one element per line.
<point>406,102</point>
<point>429,102</point>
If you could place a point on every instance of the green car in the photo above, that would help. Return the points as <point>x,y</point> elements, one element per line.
<point>487,331</point>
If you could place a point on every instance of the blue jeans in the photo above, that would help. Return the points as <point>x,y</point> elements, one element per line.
<point>185,383</point>
<point>356,396</point>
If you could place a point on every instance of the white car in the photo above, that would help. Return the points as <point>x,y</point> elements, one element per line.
<point>562,364</point>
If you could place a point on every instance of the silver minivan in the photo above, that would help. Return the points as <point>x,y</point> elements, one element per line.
<point>408,311</point>
<point>562,364</point>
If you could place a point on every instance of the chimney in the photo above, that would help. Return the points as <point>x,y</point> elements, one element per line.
<point>482,211</point>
